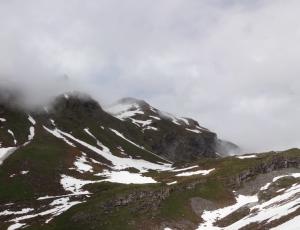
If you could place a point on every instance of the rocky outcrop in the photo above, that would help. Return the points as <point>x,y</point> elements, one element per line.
<point>147,200</point>
<point>275,163</point>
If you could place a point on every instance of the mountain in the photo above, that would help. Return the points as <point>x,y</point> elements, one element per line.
<point>176,139</point>
<point>74,165</point>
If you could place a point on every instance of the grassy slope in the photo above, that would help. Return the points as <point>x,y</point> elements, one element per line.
<point>45,157</point>
<point>176,207</point>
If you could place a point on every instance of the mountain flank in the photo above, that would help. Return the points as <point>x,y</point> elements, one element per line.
<point>75,165</point>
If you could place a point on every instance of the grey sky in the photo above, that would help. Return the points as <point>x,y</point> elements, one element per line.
<point>233,65</point>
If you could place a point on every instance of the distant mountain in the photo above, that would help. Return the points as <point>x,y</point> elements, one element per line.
<point>74,165</point>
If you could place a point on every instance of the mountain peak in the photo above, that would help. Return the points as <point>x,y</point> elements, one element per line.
<point>139,111</point>
<point>76,104</point>
<point>132,100</point>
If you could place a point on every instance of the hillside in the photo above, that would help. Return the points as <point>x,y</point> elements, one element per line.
<point>74,165</point>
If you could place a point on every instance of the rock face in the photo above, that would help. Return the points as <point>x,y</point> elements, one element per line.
<point>178,146</point>
<point>276,163</point>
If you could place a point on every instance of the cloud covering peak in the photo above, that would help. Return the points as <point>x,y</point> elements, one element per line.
<point>233,65</point>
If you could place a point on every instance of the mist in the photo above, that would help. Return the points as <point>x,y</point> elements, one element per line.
<point>232,65</point>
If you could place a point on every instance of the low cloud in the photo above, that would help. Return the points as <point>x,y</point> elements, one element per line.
<point>233,65</point>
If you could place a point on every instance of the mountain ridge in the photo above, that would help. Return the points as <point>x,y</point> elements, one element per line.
<point>72,165</point>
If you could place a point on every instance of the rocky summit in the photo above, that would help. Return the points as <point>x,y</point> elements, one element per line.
<point>72,164</point>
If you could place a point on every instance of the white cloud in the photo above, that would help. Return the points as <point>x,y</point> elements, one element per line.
<point>233,65</point>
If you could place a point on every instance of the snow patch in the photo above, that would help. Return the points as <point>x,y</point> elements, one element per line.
<point>155,117</point>
<point>52,122</point>
<point>171,183</point>
<point>74,185</point>
<point>125,177</point>
<point>150,128</point>
<point>185,169</point>
<point>265,187</point>
<point>23,211</point>
<point>13,135</point>
<point>5,152</point>
<point>82,165</point>
<point>31,133</point>
<point>32,121</point>
<point>15,226</point>
<point>199,172</point>
<point>247,157</point>
<point>193,130</point>
<point>123,111</point>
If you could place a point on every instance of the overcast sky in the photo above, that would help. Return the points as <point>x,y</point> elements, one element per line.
<point>234,65</point>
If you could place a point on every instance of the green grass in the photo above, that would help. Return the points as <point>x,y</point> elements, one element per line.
<point>44,158</point>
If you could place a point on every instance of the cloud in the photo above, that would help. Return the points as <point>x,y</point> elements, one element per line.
<point>233,65</point>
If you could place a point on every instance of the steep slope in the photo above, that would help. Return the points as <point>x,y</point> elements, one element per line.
<point>177,139</point>
<point>50,154</point>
